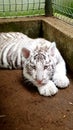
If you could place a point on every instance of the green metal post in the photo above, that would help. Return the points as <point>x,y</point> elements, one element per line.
<point>48,8</point>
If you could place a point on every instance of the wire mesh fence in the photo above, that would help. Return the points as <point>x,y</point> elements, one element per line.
<point>21,7</point>
<point>63,9</point>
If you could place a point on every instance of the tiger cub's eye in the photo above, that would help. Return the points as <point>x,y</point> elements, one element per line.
<point>33,66</point>
<point>45,67</point>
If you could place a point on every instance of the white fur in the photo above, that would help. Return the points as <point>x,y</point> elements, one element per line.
<point>42,64</point>
<point>59,78</point>
<point>60,81</point>
<point>48,90</point>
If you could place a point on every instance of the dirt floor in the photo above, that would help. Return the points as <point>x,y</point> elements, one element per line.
<point>22,108</point>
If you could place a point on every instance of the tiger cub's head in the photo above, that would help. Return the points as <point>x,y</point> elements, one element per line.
<point>39,64</point>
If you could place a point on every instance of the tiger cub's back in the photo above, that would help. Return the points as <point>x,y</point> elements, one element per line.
<point>10,49</point>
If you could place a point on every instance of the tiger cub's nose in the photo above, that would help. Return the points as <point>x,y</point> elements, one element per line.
<point>39,81</point>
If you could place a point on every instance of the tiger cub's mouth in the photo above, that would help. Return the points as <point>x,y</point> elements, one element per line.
<point>40,82</point>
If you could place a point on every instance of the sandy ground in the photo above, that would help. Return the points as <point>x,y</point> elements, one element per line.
<point>22,108</point>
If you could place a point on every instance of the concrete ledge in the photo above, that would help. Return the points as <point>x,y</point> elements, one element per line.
<point>50,28</point>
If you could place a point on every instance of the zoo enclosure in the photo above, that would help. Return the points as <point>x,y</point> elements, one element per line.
<point>62,9</point>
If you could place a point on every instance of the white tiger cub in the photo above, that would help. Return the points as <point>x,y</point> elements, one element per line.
<point>40,59</point>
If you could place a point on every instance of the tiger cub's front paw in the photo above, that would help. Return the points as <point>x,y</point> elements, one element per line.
<point>61,81</point>
<point>48,89</point>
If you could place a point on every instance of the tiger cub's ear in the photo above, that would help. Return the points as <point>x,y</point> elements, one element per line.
<point>25,52</point>
<point>52,48</point>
